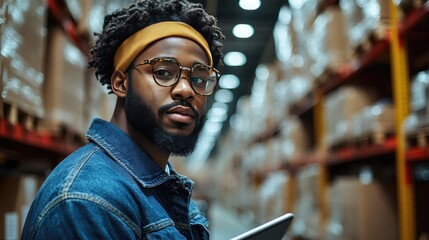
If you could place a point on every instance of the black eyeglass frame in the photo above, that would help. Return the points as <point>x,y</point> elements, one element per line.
<point>152,61</point>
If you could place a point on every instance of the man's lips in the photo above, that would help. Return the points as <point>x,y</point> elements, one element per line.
<point>181,114</point>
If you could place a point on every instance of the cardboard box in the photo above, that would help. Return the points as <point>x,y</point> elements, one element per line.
<point>64,94</point>
<point>307,208</point>
<point>88,14</point>
<point>361,211</point>
<point>98,103</point>
<point>16,195</point>
<point>340,108</point>
<point>23,46</point>
<point>420,92</point>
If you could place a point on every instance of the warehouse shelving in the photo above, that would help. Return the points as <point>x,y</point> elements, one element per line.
<point>399,55</point>
<point>20,141</point>
<point>411,29</point>
<point>413,36</point>
<point>31,144</point>
<point>418,154</point>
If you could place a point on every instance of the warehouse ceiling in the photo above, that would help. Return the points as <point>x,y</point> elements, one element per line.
<point>258,49</point>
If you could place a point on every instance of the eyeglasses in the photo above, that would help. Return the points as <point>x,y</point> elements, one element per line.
<point>167,71</point>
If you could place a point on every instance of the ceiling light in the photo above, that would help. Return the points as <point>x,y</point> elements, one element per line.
<point>250,4</point>
<point>224,96</point>
<point>243,30</point>
<point>262,72</point>
<point>217,114</point>
<point>235,59</point>
<point>229,81</point>
<point>213,127</point>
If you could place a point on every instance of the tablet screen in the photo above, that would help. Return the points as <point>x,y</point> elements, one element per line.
<point>273,230</point>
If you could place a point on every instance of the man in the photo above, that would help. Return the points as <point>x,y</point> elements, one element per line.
<point>160,58</point>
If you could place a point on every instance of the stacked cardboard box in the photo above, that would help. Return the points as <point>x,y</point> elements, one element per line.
<point>23,41</point>
<point>365,20</point>
<point>340,108</point>
<point>328,44</point>
<point>16,195</point>
<point>98,102</point>
<point>64,94</point>
<point>307,207</point>
<point>361,211</point>
<point>417,123</point>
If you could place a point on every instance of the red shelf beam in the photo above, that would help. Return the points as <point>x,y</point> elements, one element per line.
<point>30,144</point>
<point>351,154</point>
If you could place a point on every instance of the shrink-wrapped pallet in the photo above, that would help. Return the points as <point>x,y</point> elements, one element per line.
<point>88,14</point>
<point>17,192</point>
<point>307,205</point>
<point>340,108</point>
<point>420,92</point>
<point>361,211</point>
<point>23,44</point>
<point>64,93</point>
<point>273,196</point>
<point>416,127</point>
<point>374,123</point>
<point>293,138</point>
<point>328,43</point>
<point>98,102</point>
<point>365,19</point>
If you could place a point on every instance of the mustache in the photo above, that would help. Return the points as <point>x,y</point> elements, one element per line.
<point>184,103</point>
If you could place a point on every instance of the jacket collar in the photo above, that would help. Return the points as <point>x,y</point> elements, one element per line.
<point>118,145</point>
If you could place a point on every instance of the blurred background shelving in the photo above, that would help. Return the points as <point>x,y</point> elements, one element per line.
<point>329,119</point>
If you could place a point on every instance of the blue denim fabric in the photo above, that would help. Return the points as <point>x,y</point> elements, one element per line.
<point>111,189</point>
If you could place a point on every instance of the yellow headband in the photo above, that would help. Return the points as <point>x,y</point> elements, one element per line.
<point>133,45</point>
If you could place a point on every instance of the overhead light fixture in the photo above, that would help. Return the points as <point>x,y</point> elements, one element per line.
<point>250,4</point>
<point>213,128</point>
<point>243,31</point>
<point>235,59</point>
<point>224,96</point>
<point>217,114</point>
<point>229,81</point>
<point>262,72</point>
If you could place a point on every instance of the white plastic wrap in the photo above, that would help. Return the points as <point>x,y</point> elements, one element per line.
<point>23,44</point>
<point>365,17</point>
<point>293,137</point>
<point>420,92</point>
<point>273,196</point>
<point>375,121</point>
<point>89,14</point>
<point>340,108</point>
<point>328,43</point>
<point>352,207</point>
<point>98,103</point>
<point>64,85</point>
<point>307,208</point>
<point>416,127</point>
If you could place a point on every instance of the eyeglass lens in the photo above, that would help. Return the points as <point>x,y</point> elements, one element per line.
<point>203,78</point>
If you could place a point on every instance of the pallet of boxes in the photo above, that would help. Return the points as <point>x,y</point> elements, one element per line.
<point>23,44</point>
<point>46,90</point>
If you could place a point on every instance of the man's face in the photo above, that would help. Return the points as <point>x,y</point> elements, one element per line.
<point>170,117</point>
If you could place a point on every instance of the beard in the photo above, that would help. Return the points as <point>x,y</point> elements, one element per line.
<point>143,119</point>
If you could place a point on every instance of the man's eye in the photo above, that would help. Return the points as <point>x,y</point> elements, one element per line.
<point>198,80</point>
<point>163,73</point>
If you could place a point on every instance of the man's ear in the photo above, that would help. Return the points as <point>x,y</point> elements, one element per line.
<point>119,83</point>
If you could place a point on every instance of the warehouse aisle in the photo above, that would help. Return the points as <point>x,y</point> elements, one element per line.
<point>225,224</point>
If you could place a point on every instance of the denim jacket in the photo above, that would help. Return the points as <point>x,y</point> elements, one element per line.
<point>111,189</point>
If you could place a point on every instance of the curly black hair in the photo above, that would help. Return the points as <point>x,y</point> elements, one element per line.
<point>122,23</point>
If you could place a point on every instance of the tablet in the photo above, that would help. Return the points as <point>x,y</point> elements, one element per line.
<point>273,230</point>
